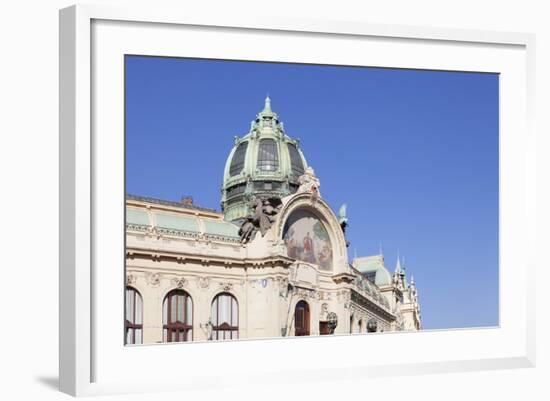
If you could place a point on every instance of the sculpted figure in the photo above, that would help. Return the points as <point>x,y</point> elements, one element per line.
<point>264,215</point>
<point>248,230</point>
<point>372,325</point>
<point>309,182</point>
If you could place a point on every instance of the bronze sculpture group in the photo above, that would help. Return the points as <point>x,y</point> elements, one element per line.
<point>264,213</point>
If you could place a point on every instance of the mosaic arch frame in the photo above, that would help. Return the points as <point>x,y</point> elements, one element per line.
<point>306,239</point>
<point>322,211</point>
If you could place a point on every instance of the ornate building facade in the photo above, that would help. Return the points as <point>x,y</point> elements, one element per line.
<point>274,262</point>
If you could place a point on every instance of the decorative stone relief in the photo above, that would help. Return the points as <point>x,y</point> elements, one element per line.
<point>305,293</point>
<point>283,287</point>
<point>131,279</point>
<point>226,286</point>
<point>324,311</point>
<point>346,297</point>
<point>203,283</point>
<point>309,183</point>
<point>153,279</point>
<point>179,282</point>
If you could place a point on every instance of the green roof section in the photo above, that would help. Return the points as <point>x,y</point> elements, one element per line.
<point>222,228</point>
<point>374,264</point>
<point>174,222</point>
<point>138,217</point>
<point>266,162</point>
<point>183,222</point>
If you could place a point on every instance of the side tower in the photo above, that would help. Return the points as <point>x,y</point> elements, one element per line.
<point>266,162</point>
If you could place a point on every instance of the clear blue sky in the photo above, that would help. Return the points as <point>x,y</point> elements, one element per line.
<point>413,153</point>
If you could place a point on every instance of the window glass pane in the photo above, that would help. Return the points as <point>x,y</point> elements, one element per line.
<point>139,309</point>
<point>190,335</point>
<point>215,321</point>
<point>189,311</point>
<point>173,308</point>
<point>268,157</point>
<point>295,160</point>
<point>164,335</point>
<point>181,308</point>
<point>225,309</point>
<point>138,336</point>
<point>165,312</point>
<point>130,305</point>
<point>234,313</point>
<point>129,336</point>
<point>237,163</point>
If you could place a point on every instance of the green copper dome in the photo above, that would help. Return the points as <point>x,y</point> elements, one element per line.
<point>265,162</point>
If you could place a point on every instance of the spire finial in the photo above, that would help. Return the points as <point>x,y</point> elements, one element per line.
<point>267,107</point>
<point>398,264</point>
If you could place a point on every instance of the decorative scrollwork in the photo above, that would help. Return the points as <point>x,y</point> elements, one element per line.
<point>179,282</point>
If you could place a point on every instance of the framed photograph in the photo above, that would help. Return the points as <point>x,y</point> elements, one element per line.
<point>270,199</point>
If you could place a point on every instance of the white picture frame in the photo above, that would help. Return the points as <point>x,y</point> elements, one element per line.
<point>93,36</point>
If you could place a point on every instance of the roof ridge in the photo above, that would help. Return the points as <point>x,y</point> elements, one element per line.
<point>168,203</point>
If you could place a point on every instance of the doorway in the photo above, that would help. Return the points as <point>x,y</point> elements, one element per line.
<point>301,319</point>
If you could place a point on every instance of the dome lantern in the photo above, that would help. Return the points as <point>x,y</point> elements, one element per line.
<point>266,162</point>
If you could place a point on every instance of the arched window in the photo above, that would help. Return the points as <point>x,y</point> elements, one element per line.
<point>360,326</point>
<point>133,323</point>
<point>237,163</point>
<point>351,324</point>
<point>177,317</point>
<point>225,317</point>
<point>268,157</point>
<point>296,163</point>
<point>301,319</point>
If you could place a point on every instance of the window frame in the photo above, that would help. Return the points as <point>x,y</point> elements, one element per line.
<point>294,160</point>
<point>274,163</point>
<point>168,327</point>
<point>240,152</point>
<point>133,326</point>
<point>224,326</point>
<point>306,317</point>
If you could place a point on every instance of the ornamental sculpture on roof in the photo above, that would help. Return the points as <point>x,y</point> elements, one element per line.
<point>309,182</point>
<point>265,211</point>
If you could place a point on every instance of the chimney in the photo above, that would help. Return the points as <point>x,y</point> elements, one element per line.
<point>187,200</point>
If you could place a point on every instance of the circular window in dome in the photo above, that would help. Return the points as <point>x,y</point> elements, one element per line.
<point>307,239</point>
